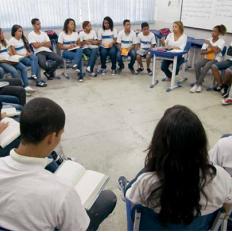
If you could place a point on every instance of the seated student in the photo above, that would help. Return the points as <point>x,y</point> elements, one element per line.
<point>41,45</point>
<point>211,52</point>
<point>6,150</point>
<point>88,38</point>
<point>107,37</point>
<point>19,46</point>
<point>146,40</point>
<point>176,40</point>
<point>10,67</point>
<point>126,42</point>
<point>39,200</point>
<point>178,181</point>
<point>69,41</point>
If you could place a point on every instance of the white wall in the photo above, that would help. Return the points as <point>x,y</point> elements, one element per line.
<point>168,11</point>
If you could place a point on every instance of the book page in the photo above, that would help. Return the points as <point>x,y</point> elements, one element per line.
<point>70,49</point>
<point>9,111</point>
<point>70,172</point>
<point>15,58</point>
<point>90,186</point>
<point>10,133</point>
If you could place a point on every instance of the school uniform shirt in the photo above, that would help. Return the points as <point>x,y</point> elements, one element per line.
<point>107,36</point>
<point>180,43</point>
<point>220,43</point>
<point>67,39</point>
<point>218,191</point>
<point>146,41</point>
<point>18,45</point>
<point>88,36</point>
<point>221,154</point>
<point>32,198</point>
<point>126,40</point>
<point>4,51</point>
<point>42,37</point>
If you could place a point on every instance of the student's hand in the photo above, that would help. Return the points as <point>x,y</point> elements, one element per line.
<point>37,44</point>
<point>28,54</point>
<point>162,41</point>
<point>72,46</point>
<point>3,126</point>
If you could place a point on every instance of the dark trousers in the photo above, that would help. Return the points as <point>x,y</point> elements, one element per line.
<point>131,54</point>
<point>166,63</point>
<point>6,150</point>
<point>112,53</point>
<point>50,67</point>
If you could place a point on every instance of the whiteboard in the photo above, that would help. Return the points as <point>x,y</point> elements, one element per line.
<point>206,14</point>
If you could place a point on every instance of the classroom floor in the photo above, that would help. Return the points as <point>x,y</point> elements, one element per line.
<point>110,122</point>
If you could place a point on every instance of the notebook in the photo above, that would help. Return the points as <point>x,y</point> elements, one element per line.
<point>70,49</point>
<point>10,133</point>
<point>88,184</point>
<point>12,59</point>
<point>3,84</point>
<point>124,51</point>
<point>10,111</point>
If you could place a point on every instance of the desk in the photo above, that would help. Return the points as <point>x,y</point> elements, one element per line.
<point>166,55</point>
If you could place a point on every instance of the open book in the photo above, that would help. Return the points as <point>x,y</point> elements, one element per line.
<point>10,111</point>
<point>88,184</point>
<point>12,59</point>
<point>10,133</point>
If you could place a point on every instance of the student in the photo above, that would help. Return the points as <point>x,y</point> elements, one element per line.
<point>41,45</point>
<point>88,38</point>
<point>228,82</point>
<point>176,40</point>
<point>13,68</point>
<point>107,37</point>
<point>69,41</point>
<point>126,42</point>
<point>211,52</point>
<point>178,182</point>
<point>217,70</point>
<point>45,202</point>
<point>19,46</point>
<point>146,40</point>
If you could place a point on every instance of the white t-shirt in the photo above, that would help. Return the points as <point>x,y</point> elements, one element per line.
<point>126,40</point>
<point>32,198</point>
<point>146,41</point>
<point>42,37</point>
<point>67,39</point>
<point>18,45</point>
<point>88,36</point>
<point>180,43</point>
<point>107,36</point>
<point>4,50</point>
<point>220,43</point>
<point>218,191</point>
<point>221,154</point>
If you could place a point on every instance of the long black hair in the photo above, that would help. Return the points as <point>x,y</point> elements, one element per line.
<point>25,41</point>
<point>110,21</point>
<point>66,22</point>
<point>178,154</point>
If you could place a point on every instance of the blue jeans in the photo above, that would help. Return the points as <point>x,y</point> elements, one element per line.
<point>112,52</point>
<point>131,54</point>
<point>75,56</point>
<point>1,72</point>
<point>33,62</point>
<point>166,63</point>
<point>12,69</point>
<point>92,53</point>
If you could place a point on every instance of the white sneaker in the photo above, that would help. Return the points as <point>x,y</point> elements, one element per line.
<point>29,89</point>
<point>199,89</point>
<point>193,89</point>
<point>88,69</point>
<point>34,77</point>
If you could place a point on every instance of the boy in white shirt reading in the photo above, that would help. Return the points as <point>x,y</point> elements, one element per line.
<point>69,42</point>
<point>126,44</point>
<point>38,198</point>
<point>88,38</point>
<point>41,45</point>
<point>146,41</point>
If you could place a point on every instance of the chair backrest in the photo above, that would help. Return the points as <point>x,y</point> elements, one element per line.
<point>188,45</point>
<point>143,218</point>
<point>224,51</point>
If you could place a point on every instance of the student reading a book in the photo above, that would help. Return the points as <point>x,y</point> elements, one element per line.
<point>19,45</point>
<point>176,40</point>
<point>178,182</point>
<point>69,42</point>
<point>41,45</point>
<point>107,37</point>
<point>3,127</point>
<point>211,52</point>
<point>126,42</point>
<point>13,67</point>
<point>146,41</point>
<point>38,199</point>
<point>89,40</point>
